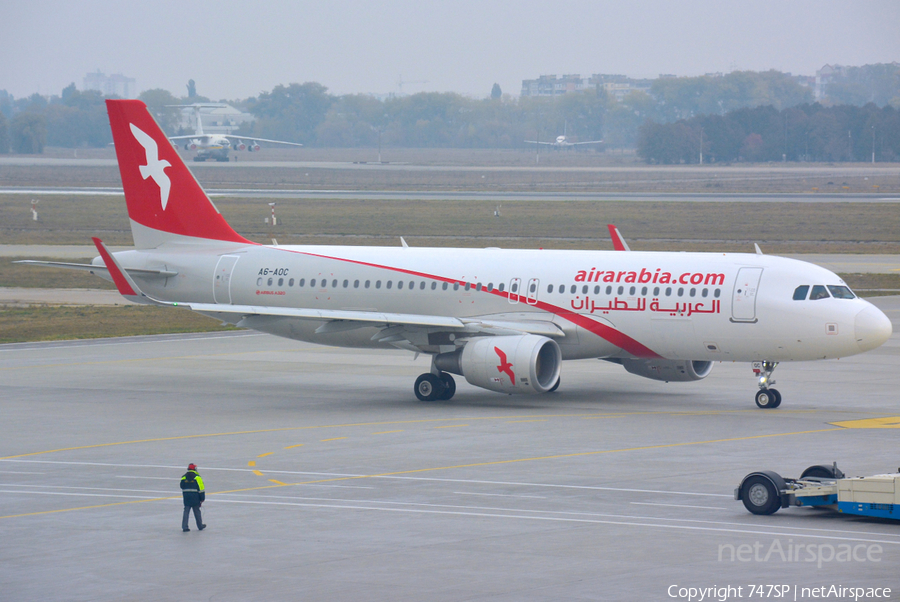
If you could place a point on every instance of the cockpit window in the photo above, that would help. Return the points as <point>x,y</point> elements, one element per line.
<point>818,292</point>
<point>800,292</point>
<point>841,292</point>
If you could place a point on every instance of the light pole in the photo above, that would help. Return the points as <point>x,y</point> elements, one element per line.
<point>701,146</point>
<point>873,145</point>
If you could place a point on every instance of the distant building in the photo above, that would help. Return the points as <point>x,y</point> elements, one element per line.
<point>110,85</point>
<point>616,86</point>
<point>825,76</point>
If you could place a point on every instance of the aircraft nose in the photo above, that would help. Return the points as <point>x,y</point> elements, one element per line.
<point>872,328</point>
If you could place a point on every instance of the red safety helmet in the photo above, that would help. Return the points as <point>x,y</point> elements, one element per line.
<point>192,467</point>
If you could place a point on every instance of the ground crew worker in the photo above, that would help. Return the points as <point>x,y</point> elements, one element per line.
<point>194,494</point>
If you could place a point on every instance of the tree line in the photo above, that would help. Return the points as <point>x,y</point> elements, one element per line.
<point>809,132</point>
<point>738,113</point>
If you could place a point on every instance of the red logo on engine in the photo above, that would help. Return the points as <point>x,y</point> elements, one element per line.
<point>505,366</point>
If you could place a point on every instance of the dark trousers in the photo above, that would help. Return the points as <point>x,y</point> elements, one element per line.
<point>187,513</point>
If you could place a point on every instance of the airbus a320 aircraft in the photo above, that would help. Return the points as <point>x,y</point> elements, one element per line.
<point>216,146</point>
<point>503,319</point>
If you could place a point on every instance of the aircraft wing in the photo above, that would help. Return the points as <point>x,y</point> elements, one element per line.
<point>539,142</point>
<point>190,137</point>
<point>89,267</point>
<point>588,142</point>
<point>345,319</point>
<point>240,138</point>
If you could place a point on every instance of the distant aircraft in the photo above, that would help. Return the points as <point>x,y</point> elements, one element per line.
<point>503,319</point>
<point>216,146</point>
<point>563,141</point>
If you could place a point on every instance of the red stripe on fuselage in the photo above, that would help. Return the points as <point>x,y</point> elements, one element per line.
<point>608,333</point>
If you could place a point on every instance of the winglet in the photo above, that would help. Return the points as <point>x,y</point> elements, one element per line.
<point>758,250</point>
<point>619,243</point>
<point>125,285</point>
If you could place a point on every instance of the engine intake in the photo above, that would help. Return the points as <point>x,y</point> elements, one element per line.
<point>669,370</point>
<point>507,364</point>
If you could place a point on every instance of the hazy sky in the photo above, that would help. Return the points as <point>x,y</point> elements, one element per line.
<point>235,49</point>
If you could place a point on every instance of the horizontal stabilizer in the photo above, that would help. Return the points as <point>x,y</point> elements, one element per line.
<point>90,267</point>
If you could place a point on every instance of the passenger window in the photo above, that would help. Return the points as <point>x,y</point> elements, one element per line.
<point>705,293</point>
<point>478,288</point>
<point>301,282</point>
<point>389,284</point>
<point>456,286</point>
<point>608,290</point>
<point>584,289</point>
<point>800,292</point>
<point>490,287</point>
<point>716,293</point>
<point>259,281</point>
<point>367,283</point>
<point>597,289</point>
<point>693,292</point>
<point>312,283</point>
<point>346,283</point>
<point>270,282</point>
<point>631,290</point>
<point>656,291</point>
<point>681,291</point>
<point>644,291</point>
<point>468,286</point>
<point>668,291</point>
<point>291,282</point>
<point>378,284</point>
<point>532,288</point>
<point>444,286</point>
<point>399,285</point>
<point>334,284</point>
<point>621,289</point>
<point>515,287</point>
<point>549,288</point>
<point>281,282</point>
<point>433,286</point>
<point>422,285</point>
<point>501,287</point>
<point>356,284</point>
<point>818,292</point>
<point>840,292</point>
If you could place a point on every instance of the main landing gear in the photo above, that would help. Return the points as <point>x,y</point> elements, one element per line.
<point>435,387</point>
<point>766,398</point>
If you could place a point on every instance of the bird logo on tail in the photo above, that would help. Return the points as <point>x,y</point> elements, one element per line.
<point>155,167</point>
<point>505,366</point>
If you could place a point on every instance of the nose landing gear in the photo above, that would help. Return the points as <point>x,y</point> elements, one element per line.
<point>766,398</point>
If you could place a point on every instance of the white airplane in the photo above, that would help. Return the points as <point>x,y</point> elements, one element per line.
<point>216,146</point>
<point>503,319</point>
<point>562,141</point>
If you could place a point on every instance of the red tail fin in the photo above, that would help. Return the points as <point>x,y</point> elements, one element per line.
<point>164,200</point>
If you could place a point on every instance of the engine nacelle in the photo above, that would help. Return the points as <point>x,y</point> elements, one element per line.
<point>240,146</point>
<point>190,146</point>
<point>669,370</point>
<point>507,364</point>
<point>253,147</point>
